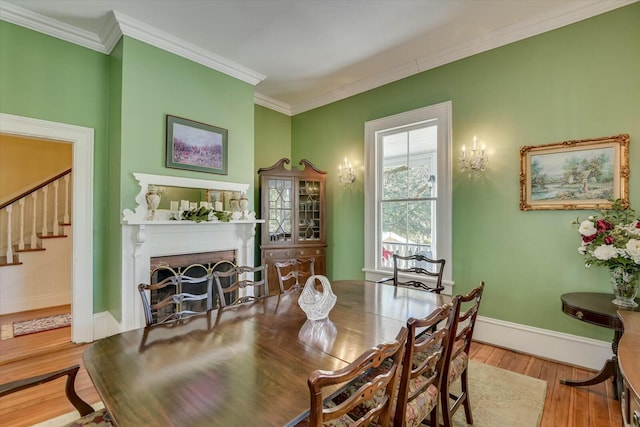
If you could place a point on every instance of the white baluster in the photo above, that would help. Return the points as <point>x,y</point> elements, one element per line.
<point>34,241</point>
<point>66,199</point>
<point>21,243</point>
<point>9,244</point>
<point>45,230</point>
<point>55,208</point>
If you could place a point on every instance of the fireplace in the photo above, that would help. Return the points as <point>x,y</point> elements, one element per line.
<point>145,242</point>
<point>195,265</point>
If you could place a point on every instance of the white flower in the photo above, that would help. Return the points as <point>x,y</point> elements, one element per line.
<point>587,228</point>
<point>633,249</point>
<point>582,250</point>
<point>605,252</point>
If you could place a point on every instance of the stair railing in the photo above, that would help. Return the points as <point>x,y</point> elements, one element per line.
<point>29,201</point>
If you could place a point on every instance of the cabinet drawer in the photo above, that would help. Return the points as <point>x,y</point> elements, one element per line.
<point>309,252</point>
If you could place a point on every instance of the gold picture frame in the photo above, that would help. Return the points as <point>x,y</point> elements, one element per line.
<point>576,174</point>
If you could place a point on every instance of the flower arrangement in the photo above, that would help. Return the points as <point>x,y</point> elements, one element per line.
<point>612,240</point>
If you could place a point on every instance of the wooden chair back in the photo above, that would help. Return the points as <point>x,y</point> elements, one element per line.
<point>228,293</point>
<point>179,300</point>
<point>466,314</point>
<point>423,371</point>
<point>419,265</point>
<point>292,274</point>
<point>382,364</point>
<point>89,416</point>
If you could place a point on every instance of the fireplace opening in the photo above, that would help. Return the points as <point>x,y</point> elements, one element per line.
<point>195,265</point>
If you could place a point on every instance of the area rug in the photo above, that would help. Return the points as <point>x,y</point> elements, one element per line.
<point>501,398</point>
<point>41,324</point>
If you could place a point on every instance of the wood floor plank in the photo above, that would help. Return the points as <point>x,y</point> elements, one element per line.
<point>565,406</point>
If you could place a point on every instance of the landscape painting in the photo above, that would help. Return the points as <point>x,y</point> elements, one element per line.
<point>196,146</point>
<point>585,174</point>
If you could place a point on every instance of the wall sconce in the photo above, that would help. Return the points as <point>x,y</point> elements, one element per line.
<point>475,160</point>
<point>346,176</point>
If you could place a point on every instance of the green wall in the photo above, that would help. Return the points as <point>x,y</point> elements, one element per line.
<point>577,82</point>
<point>125,97</point>
<point>49,79</point>
<point>272,139</point>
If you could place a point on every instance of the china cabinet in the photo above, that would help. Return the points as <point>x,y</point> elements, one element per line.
<point>293,207</point>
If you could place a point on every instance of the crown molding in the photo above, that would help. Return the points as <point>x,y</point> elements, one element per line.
<point>165,41</point>
<point>272,104</point>
<point>54,28</point>
<point>116,25</point>
<point>511,34</point>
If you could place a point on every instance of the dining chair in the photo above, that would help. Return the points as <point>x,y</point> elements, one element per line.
<point>289,273</point>
<point>228,289</point>
<point>466,314</point>
<point>88,416</point>
<point>175,303</point>
<point>417,265</point>
<point>367,403</point>
<point>421,378</point>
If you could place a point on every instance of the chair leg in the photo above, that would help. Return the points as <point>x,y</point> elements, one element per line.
<point>465,393</point>
<point>444,407</point>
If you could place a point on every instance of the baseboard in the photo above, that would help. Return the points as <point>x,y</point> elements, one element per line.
<point>105,325</point>
<point>17,305</point>
<point>570,349</point>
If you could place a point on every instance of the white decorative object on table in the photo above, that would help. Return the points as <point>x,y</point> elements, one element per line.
<point>314,303</point>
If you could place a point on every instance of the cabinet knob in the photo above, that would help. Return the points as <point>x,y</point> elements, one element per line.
<point>579,315</point>
<point>636,419</point>
<point>301,252</point>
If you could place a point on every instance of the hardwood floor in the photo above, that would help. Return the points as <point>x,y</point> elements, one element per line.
<point>30,355</point>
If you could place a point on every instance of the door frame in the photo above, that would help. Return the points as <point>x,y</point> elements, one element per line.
<point>82,140</point>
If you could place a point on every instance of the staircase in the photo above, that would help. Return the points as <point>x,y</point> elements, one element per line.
<point>38,214</point>
<point>36,248</point>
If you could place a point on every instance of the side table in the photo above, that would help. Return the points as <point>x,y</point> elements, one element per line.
<point>597,309</point>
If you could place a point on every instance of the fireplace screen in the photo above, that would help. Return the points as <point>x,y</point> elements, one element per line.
<point>165,267</point>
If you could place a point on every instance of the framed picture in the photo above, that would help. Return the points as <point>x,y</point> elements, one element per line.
<point>584,174</point>
<point>196,146</point>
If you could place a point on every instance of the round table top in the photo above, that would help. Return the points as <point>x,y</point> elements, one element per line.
<point>594,307</point>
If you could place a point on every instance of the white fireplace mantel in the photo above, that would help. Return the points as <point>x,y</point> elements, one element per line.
<point>143,239</point>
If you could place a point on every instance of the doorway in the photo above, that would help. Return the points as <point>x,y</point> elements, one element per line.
<point>82,140</point>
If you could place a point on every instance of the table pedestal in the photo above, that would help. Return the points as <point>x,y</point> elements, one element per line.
<point>597,309</point>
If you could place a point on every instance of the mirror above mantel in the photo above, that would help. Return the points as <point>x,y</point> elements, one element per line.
<point>180,189</point>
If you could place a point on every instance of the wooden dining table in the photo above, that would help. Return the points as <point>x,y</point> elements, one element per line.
<point>244,365</point>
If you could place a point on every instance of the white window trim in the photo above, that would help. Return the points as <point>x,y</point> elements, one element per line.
<point>441,112</point>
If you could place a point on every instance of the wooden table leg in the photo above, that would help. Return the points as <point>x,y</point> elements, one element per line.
<point>609,370</point>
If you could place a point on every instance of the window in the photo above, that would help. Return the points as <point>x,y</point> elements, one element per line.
<point>408,188</point>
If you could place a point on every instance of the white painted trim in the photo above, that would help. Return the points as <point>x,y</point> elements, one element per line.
<point>163,40</point>
<point>575,11</point>
<point>570,349</point>
<point>271,103</point>
<point>43,24</point>
<point>105,325</point>
<point>441,112</point>
<point>82,208</point>
<point>118,25</point>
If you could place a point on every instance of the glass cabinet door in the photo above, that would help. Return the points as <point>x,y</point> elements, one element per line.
<point>309,210</point>
<point>280,209</point>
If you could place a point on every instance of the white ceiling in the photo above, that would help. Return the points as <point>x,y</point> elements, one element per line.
<point>307,53</point>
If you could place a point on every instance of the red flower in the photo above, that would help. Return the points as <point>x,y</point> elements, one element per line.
<point>609,240</point>
<point>588,239</point>
<point>602,226</point>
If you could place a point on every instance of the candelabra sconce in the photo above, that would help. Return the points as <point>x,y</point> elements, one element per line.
<point>474,160</point>
<point>346,175</point>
